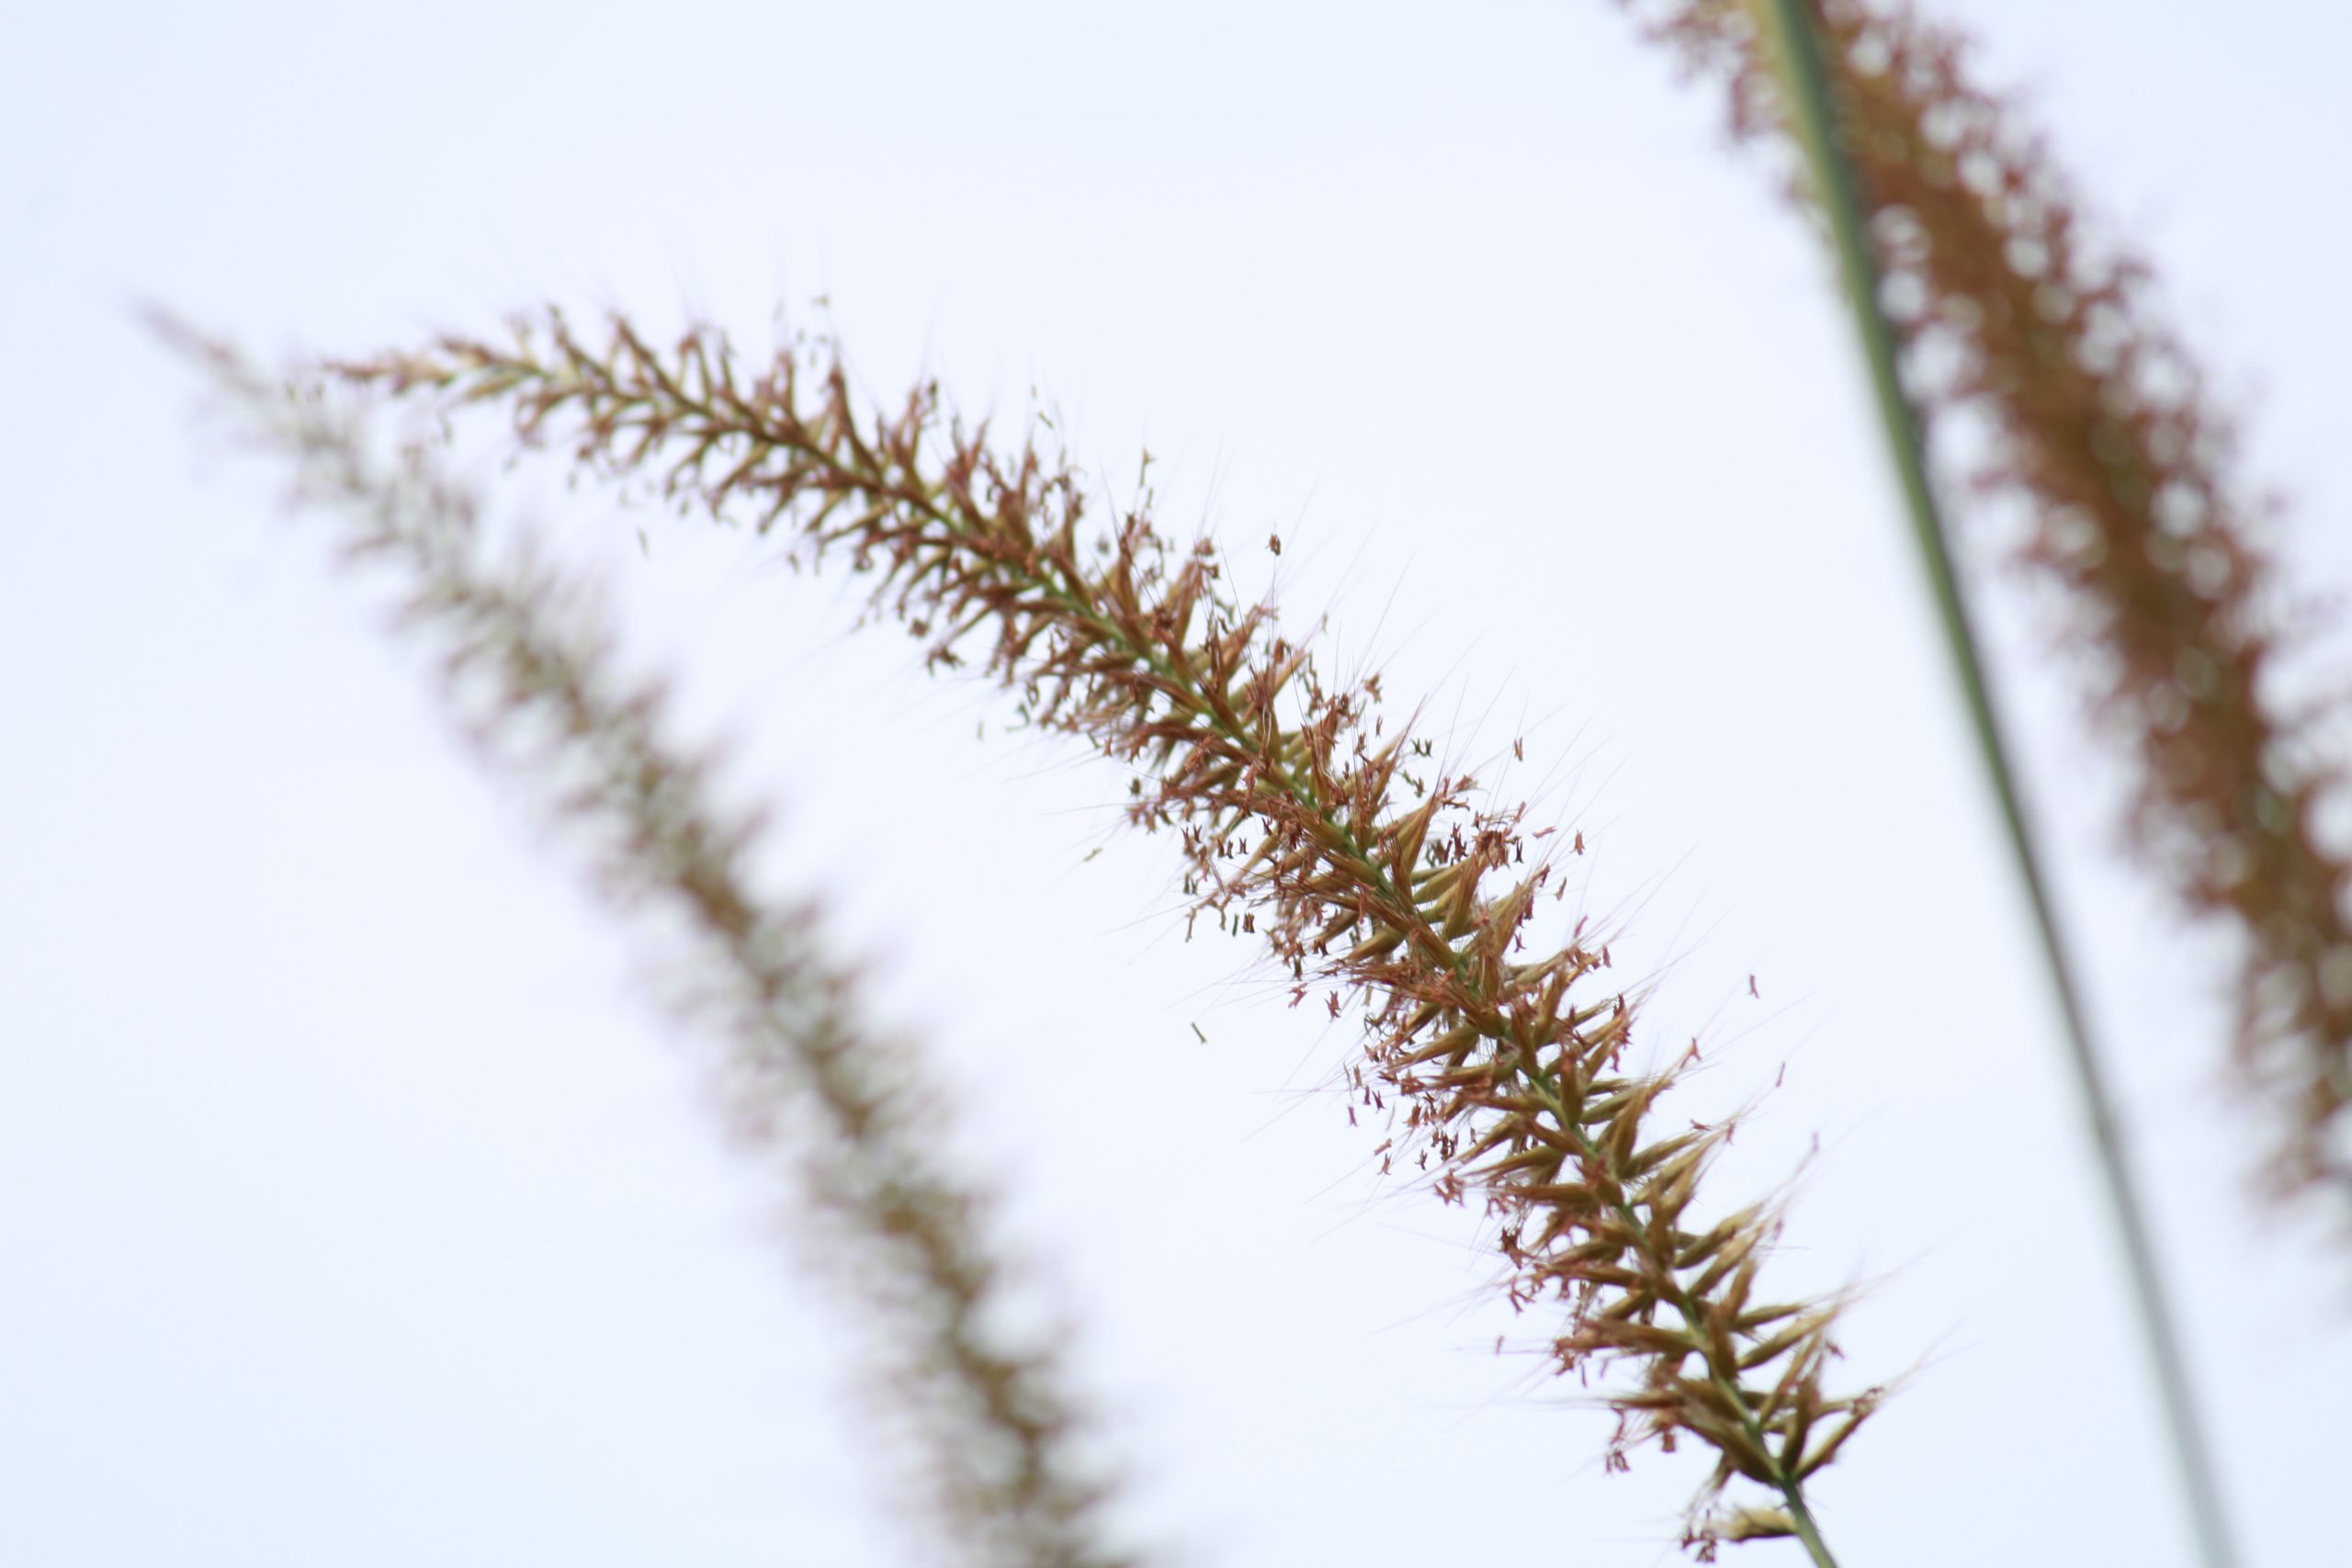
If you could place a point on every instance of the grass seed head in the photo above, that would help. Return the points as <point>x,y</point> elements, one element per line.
<point>1287,797</point>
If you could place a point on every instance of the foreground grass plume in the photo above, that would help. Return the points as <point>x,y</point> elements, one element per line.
<point>1404,899</point>
<point>2022,327</point>
<point>531,675</point>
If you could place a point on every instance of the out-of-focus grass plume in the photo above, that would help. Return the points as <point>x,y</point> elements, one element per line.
<point>989,1426</point>
<point>2022,327</point>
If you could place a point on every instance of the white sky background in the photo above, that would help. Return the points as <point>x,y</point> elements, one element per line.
<point>353,1207</point>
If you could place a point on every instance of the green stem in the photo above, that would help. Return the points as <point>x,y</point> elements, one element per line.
<point>1811,99</point>
<point>1807,1531</point>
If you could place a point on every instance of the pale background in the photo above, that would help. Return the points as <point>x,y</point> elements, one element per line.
<point>353,1207</point>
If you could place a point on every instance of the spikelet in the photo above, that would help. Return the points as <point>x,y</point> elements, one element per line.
<point>1299,822</point>
<point>994,1431</point>
<point>2104,431</point>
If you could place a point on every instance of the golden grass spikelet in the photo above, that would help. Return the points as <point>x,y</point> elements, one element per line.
<point>2101,427</point>
<point>1299,821</point>
<point>531,676</point>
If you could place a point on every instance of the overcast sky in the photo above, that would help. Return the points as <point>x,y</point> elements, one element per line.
<point>355,1206</point>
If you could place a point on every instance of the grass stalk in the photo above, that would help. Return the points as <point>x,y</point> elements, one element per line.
<point>2093,424</point>
<point>1813,109</point>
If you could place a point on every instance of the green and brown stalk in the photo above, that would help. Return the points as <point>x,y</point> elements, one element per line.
<point>1302,820</point>
<point>1793,39</point>
<point>531,675</point>
<point>2021,327</point>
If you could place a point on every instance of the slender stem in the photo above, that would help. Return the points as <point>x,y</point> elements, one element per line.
<point>1807,1531</point>
<point>1811,102</point>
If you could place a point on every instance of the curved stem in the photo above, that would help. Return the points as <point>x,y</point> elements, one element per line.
<point>1812,104</point>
